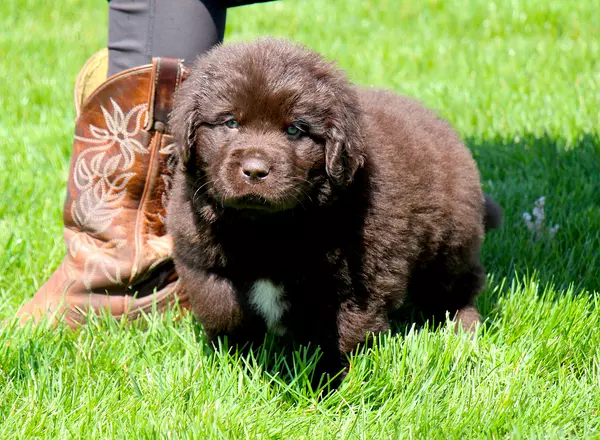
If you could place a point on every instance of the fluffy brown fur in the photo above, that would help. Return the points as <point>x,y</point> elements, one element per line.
<point>374,202</point>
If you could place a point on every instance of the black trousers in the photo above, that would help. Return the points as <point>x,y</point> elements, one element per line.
<point>141,29</point>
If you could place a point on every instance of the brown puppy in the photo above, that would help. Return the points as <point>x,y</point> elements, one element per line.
<point>307,206</point>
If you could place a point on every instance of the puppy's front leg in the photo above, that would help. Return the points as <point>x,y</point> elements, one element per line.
<point>339,330</point>
<point>220,308</point>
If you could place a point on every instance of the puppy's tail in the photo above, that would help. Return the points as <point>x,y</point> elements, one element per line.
<point>492,218</point>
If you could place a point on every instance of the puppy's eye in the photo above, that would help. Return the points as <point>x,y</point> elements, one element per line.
<point>293,131</point>
<point>232,123</point>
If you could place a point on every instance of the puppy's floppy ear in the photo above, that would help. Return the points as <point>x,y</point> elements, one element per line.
<point>344,144</point>
<point>187,148</point>
<point>183,125</point>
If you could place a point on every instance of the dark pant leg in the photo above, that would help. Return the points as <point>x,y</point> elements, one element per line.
<point>141,29</point>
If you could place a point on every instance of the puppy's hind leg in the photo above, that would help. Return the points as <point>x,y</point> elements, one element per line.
<point>468,317</point>
<point>448,288</point>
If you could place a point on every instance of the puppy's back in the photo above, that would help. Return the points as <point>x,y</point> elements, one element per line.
<point>406,119</point>
<point>422,170</point>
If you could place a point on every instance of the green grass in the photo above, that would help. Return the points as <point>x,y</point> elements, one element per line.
<point>519,79</point>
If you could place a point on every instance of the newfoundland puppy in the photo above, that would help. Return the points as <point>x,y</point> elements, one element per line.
<point>306,206</point>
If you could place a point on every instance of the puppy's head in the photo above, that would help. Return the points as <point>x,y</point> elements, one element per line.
<point>267,125</point>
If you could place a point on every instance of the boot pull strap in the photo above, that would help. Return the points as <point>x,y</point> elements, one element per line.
<point>167,75</point>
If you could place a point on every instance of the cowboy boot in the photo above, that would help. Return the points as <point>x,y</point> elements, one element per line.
<point>118,252</point>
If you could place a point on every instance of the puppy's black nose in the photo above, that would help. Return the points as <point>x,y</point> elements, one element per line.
<point>255,169</point>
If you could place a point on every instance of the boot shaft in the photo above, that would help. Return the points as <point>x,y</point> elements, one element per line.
<point>118,252</point>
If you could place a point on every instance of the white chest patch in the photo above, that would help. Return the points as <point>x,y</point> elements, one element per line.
<point>267,299</point>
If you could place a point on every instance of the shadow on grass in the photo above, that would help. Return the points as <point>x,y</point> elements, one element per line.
<point>518,171</point>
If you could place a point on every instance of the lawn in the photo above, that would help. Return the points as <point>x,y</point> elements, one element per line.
<point>520,80</point>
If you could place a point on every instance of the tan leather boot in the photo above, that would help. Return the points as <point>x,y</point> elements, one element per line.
<point>118,253</point>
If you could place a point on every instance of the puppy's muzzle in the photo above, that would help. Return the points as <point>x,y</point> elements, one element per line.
<point>255,170</point>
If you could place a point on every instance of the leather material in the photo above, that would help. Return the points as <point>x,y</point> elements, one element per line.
<point>118,253</point>
<point>167,75</point>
